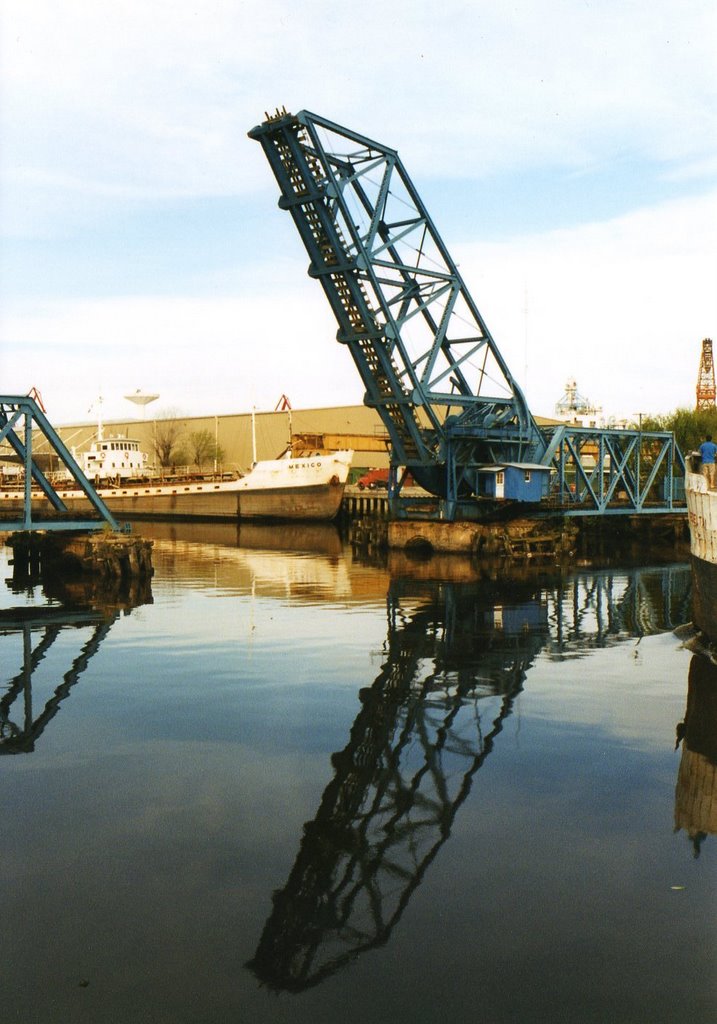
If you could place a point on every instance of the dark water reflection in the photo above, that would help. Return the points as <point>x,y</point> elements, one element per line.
<point>696,793</point>
<point>84,606</point>
<point>425,727</point>
<point>296,787</point>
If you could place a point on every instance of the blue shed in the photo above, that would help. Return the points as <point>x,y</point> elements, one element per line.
<point>519,481</point>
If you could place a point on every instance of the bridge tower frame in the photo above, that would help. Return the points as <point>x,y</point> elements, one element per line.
<point>425,355</point>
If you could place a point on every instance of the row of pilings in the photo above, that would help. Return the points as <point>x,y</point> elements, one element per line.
<point>102,554</point>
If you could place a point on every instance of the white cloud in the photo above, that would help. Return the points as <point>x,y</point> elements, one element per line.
<point>155,98</point>
<point>105,104</point>
<point>622,306</point>
<point>203,356</point>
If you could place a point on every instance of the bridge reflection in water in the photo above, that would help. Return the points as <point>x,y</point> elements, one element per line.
<point>40,638</point>
<point>456,659</point>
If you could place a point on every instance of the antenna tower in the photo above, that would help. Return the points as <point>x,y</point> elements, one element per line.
<point>706,390</point>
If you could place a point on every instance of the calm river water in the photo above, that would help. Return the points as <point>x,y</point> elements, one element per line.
<point>296,787</point>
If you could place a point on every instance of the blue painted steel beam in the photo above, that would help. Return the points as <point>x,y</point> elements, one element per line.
<point>26,525</point>
<point>630,471</point>
<point>429,364</point>
<point>17,408</point>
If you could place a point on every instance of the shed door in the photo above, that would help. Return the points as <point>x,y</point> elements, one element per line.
<point>500,485</point>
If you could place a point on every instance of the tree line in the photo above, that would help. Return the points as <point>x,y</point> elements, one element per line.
<point>173,446</point>
<point>690,426</point>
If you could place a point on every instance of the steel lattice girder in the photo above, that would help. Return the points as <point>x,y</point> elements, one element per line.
<point>426,726</point>
<point>614,471</point>
<point>426,357</point>
<point>16,409</point>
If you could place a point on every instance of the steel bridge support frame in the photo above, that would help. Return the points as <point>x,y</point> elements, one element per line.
<point>22,412</point>
<point>412,327</point>
<point>630,471</point>
<point>15,738</point>
<point>428,362</point>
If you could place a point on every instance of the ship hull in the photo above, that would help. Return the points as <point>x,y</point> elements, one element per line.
<point>281,490</point>
<point>704,596</point>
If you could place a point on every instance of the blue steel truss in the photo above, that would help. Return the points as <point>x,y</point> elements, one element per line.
<point>425,355</point>
<point>19,416</point>
<point>430,366</point>
<point>599,472</point>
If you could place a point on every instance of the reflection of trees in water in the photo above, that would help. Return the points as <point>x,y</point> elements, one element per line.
<point>696,790</point>
<point>456,658</point>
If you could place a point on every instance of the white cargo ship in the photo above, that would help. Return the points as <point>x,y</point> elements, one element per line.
<point>309,486</point>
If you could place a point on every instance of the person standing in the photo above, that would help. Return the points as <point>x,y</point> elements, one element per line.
<point>708,451</point>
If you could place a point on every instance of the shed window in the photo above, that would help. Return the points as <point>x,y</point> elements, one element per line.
<point>527,476</point>
<point>500,477</point>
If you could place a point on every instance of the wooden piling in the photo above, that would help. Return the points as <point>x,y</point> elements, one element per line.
<point>103,554</point>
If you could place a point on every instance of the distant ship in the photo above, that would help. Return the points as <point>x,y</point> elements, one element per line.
<point>702,518</point>
<point>307,486</point>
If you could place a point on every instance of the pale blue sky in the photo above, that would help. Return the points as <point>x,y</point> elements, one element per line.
<point>567,152</point>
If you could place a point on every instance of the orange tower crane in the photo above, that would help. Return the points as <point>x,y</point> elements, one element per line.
<point>706,391</point>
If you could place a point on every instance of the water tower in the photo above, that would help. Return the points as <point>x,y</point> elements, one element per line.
<point>141,398</point>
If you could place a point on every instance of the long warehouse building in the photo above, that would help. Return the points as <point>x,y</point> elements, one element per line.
<point>354,427</point>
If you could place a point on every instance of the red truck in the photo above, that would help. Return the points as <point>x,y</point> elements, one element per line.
<point>376,478</point>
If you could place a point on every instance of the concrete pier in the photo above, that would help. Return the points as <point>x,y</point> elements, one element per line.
<point>518,539</point>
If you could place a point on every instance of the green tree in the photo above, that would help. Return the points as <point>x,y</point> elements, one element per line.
<point>203,448</point>
<point>690,426</point>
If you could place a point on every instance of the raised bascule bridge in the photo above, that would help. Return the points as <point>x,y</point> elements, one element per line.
<point>424,729</point>
<point>455,415</point>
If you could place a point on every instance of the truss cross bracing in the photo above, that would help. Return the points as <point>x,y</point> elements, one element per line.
<point>20,726</point>
<point>22,422</point>
<point>599,472</point>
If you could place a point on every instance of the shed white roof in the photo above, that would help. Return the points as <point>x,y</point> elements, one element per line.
<point>513,465</point>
